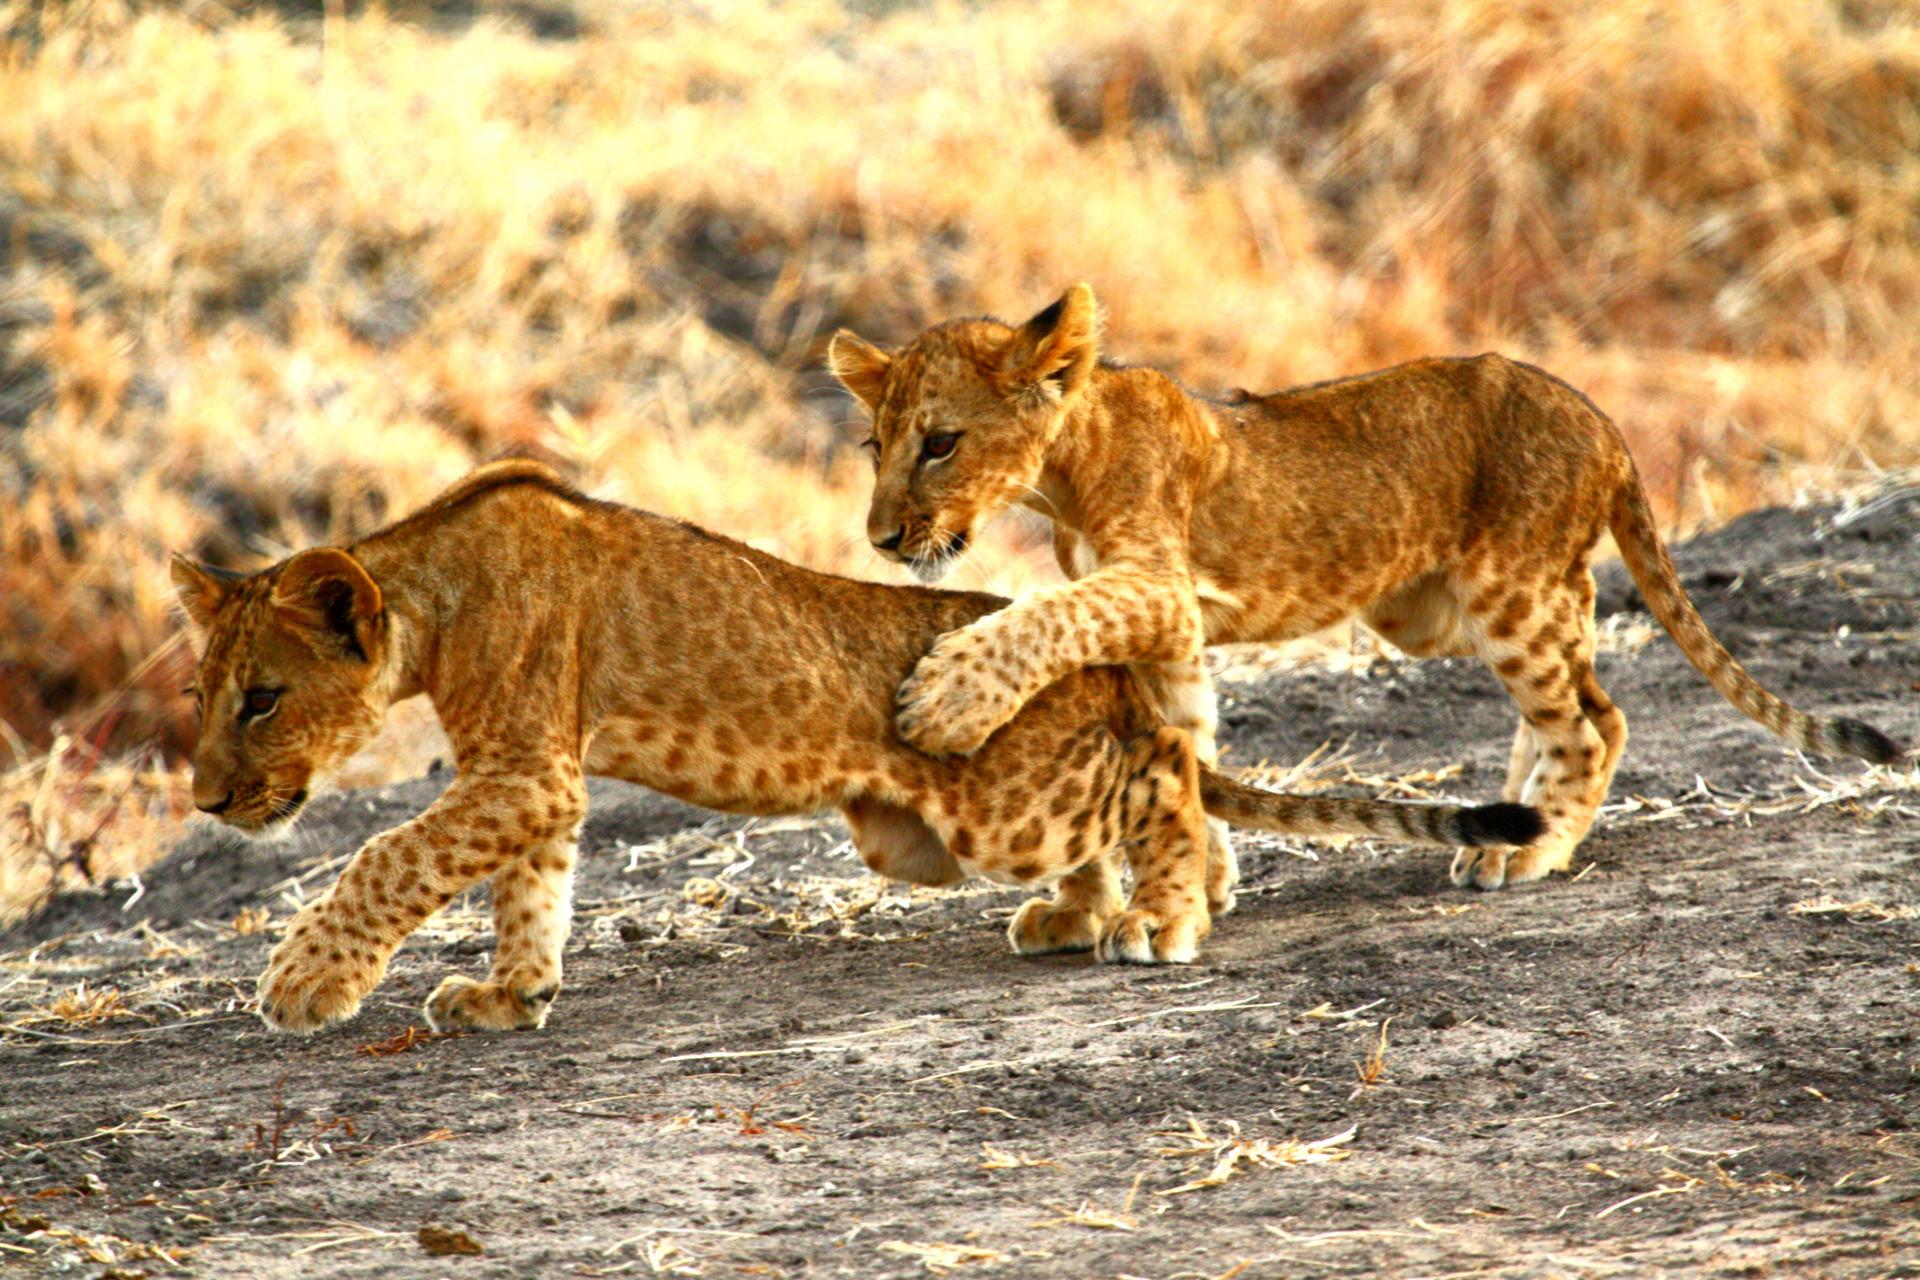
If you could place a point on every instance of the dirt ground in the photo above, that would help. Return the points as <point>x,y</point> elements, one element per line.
<point>1696,1056</point>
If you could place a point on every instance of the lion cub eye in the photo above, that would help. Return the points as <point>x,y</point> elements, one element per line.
<point>934,448</point>
<point>258,703</point>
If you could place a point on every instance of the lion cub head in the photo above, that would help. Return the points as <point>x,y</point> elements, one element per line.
<point>287,683</point>
<point>962,420</point>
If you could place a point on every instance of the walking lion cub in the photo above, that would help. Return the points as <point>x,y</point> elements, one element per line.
<point>1451,504</point>
<point>559,636</point>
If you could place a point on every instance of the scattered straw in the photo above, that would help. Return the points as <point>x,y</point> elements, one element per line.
<point>703,891</point>
<point>1099,1219</point>
<point>1231,1152</point>
<point>1223,1006</point>
<point>411,1038</point>
<point>1861,910</point>
<point>85,1006</point>
<point>335,1235</point>
<point>1654,1194</point>
<point>994,1158</point>
<point>1325,1012</point>
<point>940,1258</point>
<point>1876,793</point>
<point>1374,1068</point>
<point>1088,1216</point>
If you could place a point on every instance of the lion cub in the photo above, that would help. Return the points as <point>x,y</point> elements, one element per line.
<point>1452,505</point>
<point>559,636</point>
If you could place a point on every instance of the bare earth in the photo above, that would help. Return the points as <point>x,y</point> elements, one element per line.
<point>1696,1057</point>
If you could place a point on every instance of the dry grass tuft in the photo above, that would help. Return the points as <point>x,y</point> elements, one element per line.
<point>1229,1153</point>
<point>1373,1068</point>
<point>71,817</point>
<point>85,1006</point>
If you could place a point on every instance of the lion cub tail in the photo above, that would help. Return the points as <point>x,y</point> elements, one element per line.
<point>1652,569</point>
<point>1240,805</point>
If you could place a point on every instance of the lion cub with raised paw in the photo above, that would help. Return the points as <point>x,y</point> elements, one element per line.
<point>1452,505</point>
<point>559,636</point>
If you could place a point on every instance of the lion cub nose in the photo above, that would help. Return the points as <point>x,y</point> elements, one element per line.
<point>892,543</point>
<point>220,807</point>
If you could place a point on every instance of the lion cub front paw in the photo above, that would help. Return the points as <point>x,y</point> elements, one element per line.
<point>950,705</point>
<point>315,978</point>
<point>1148,937</point>
<point>1042,927</point>
<point>461,1004</point>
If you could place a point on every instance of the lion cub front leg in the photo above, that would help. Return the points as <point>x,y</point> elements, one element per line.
<point>337,948</point>
<point>975,679</point>
<point>532,915</point>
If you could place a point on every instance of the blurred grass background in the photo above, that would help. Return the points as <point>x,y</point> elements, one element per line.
<point>270,274</point>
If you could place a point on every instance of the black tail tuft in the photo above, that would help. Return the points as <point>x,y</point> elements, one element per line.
<point>1858,738</point>
<point>1501,824</point>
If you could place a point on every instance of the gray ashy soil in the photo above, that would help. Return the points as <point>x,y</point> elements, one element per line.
<point>1682,1060</point>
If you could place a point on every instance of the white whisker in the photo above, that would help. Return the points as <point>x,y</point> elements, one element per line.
<point>1052,511</point>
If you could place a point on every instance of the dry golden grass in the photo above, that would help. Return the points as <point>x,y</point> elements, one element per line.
<point>83,1006</point>
<point>268,277</point>
<point>68,817</point>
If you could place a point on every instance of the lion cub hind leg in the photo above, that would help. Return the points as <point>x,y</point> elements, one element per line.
<point>1521,763</point>
<point>532,915</point>
<point>1538,638</point>
<point>1085,899</point>
<point>897,843</point>
<point>1183,692</point>
<point>1164,827</point>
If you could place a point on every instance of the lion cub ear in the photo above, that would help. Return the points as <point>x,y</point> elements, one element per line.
<point>328,593</point>
<point>202,589</point>
<point>1056,350</point>
<point>860,366</point>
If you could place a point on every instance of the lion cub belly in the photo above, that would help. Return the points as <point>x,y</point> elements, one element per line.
<point>685,762</point>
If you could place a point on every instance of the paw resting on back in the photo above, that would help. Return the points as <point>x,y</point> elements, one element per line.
<point>951,704</point>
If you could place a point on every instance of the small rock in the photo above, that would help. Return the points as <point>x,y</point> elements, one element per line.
<point>444,1242</point>
<point>1444,1019</point>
